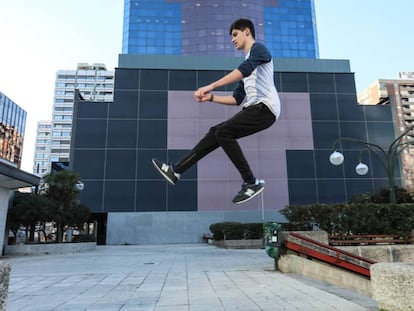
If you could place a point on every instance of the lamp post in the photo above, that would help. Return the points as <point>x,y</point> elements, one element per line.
<point>387,157</point>
<point>79,186</point>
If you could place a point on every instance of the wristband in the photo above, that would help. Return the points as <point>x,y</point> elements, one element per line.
<point>212,97</point>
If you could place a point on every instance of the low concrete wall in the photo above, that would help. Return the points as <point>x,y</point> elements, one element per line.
<point>52,248</point>
<point>4,284</point>
<point>319,236</point>
<point>240,244</point>
<point>393,286</point>
<point>174,227</point>
<point>377,253</point>
<point>324,272</point>
<point>383,253</point>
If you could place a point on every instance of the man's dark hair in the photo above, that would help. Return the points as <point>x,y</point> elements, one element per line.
<point>242,24</point>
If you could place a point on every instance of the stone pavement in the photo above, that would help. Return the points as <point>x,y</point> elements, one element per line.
<point>168,278</point>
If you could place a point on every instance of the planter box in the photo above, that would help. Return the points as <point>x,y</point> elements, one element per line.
<point>52,248</point>
<point>255,243</point>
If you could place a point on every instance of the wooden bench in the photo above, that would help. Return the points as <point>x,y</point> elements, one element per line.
<point>367,239</point>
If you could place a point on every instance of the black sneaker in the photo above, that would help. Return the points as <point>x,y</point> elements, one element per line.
<point>165,170</point>
<point>249,191</point>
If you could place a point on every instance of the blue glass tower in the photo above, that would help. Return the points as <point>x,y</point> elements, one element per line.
<point>184,27</point>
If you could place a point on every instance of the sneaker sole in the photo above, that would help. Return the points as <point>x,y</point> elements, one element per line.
<point>251,197</point>
<point>162,173</point>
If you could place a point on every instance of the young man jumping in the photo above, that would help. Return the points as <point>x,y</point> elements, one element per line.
<point>260,102</point>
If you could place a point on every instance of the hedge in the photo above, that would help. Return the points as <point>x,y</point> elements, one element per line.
<point>342,219</point>
<point>236,231</point>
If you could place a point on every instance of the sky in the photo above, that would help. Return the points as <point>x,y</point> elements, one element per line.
<point>40,37</point>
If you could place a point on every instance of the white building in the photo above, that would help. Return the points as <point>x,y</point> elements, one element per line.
<point>94,83</point>
<point>42,148</point>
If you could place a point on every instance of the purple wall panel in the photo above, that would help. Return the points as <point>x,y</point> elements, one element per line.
<point>216,166</point>
<point>181,105</point>
<point>296,112</point>
<point>183,124</point>
<point>273,137</point>
<point>183,134</point>
<point>213,195</point>
<point>218,179</point>
<point>209,110</point>
<point>295,106</point>
<point>272,164</point>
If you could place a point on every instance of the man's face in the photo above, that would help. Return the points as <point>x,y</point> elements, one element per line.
<point>238,38</point>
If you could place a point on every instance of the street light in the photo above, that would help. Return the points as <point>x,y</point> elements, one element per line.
<point>336,158</point>
<point>79,186</point>
<point>387,158</point>
<point>361,169</point>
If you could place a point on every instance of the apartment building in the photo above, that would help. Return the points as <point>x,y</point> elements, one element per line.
<point>42,148</point>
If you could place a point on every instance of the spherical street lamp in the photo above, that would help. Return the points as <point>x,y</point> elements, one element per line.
<point>336,158</point>
<point>361,169</point>
<point>79,186</point>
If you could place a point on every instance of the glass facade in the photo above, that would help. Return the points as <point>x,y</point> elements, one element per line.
<point>154,115</point>
<point>12,128</point>
<point>183,27</point>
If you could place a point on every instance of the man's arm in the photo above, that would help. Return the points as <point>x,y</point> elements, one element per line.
<point>258,55</point>
<point>220,99</point>
<point>230,78</point>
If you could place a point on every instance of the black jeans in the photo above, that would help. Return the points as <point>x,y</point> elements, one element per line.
<point>246,122</point>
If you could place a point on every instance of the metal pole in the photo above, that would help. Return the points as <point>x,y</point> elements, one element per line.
<point>262,204</point>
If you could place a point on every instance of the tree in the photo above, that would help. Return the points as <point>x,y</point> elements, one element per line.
<point>78,215</point>
<point>28,210</point>
<point>383,196</point>
<point>63,189</point>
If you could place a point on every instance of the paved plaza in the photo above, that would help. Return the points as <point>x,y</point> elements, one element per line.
<point>168,278</point>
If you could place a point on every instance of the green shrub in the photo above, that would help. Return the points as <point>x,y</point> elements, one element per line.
<point>253,230</point>
<point>383,196</point>
<point>227,230</point>
<point>358,218</point>
<point>236,231</point>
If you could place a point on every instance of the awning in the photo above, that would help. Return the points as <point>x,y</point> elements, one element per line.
<point>13,178</point>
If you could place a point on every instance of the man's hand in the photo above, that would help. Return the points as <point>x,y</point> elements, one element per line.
<point>203,98</point>
<point>203,93</point>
